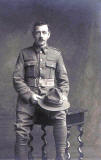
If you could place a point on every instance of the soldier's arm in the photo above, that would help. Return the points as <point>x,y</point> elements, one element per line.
<point>62,76</point>
<point>18,79</point>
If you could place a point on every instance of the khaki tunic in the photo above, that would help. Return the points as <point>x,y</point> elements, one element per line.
<point>36,71</point>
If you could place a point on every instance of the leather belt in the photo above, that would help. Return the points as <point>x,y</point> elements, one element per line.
<point>36,82</point>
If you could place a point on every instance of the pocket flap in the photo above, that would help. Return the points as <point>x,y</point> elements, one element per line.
<point>30,63</point>
<point>51,64</point>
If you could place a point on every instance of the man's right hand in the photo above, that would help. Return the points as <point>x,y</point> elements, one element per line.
<point>34,98</point>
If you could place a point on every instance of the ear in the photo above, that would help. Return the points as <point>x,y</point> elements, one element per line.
<point>48,35</point>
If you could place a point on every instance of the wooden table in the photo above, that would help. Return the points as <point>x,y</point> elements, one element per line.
<point>75,117</point>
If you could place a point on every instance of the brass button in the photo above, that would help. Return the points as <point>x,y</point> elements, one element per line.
<point>40,51</point>
<point>40,69</point>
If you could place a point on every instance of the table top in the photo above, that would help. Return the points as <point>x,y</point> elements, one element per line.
<point>75,116</point>
<point>74,110</point>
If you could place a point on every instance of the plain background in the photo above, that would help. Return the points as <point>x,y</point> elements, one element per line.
<point>76,31</point>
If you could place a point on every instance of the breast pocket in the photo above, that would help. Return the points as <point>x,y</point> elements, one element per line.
<point>50,69</point>
<point>30,69</point>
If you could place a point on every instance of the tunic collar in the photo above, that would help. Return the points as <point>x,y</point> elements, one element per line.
<point>38,49</point>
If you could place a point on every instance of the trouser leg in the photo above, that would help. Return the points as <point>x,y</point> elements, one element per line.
<point>60,134</point>
<point>23,127</point>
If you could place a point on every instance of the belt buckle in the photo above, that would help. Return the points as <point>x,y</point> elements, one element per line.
<point>46,82</point>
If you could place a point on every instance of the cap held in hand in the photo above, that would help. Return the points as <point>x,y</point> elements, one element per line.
<point>53,101</point>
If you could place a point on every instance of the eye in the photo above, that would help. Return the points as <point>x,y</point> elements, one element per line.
<point>44,32</point>
<point>37,32</point>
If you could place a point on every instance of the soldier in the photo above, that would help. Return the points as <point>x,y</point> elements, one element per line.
<point>40,79</point>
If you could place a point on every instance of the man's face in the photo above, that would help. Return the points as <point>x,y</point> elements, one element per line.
<point>41,35</point>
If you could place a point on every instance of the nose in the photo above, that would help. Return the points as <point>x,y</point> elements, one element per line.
<point>41,34</point>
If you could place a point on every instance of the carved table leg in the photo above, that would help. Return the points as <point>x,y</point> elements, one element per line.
<point>43,137</point>
<point>68,143</point>
<point>30,146</point>
<point>80,129</point>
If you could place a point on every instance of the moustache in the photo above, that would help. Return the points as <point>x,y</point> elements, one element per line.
<point>41,39</point>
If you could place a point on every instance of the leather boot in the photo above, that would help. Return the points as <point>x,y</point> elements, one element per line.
<point>60,136</point>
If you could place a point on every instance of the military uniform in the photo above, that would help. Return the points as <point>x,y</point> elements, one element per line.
<point>37,70</point>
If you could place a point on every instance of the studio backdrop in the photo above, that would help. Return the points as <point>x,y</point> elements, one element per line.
<point>75,30</point>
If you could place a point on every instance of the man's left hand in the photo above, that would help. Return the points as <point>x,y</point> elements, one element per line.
<point>64,97</point>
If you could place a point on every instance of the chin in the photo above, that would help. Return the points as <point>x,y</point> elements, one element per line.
<point>42,44</point>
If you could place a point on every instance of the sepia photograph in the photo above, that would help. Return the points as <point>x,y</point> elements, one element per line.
<point>50,80</point>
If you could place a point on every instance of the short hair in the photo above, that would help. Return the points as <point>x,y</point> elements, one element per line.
<point>40,23</point>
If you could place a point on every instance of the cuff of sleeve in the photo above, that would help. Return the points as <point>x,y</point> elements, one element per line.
<point>26,96</point>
